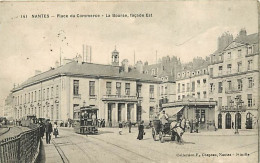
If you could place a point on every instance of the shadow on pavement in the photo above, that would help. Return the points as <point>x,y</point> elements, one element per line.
<point>103,132</point>
<point>41,157</point>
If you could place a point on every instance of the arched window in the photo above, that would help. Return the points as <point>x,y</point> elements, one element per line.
<point>220,121</point>
<point>238,120</point>
<point>249,120</point>
<point>228,121</point>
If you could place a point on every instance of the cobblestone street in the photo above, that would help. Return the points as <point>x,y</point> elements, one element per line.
<point>109,146</point>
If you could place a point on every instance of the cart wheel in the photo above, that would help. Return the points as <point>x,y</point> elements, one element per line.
<point>161,137</point>
<point>154,134</point>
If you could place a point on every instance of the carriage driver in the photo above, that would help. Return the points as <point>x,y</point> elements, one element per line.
<point>163,118</point>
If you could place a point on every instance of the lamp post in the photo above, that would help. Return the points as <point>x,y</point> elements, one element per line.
<point>239,102</point>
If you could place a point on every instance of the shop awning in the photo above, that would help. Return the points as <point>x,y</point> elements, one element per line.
<point>173,110</point>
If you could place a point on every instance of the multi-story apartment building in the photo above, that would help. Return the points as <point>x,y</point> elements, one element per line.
<point>234,81</point>
<point>120,94</point>
<point>193,82</point>
<point>192,101</point>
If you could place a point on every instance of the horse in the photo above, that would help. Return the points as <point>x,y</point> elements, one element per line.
<point>178,128</point>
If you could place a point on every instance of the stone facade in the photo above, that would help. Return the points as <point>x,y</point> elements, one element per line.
<point>234,77</point>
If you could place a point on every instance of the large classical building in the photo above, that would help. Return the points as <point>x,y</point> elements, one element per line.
<point>234,81</point>
<point>120,93</point>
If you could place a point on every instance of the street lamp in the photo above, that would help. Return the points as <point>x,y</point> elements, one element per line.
<point>239,102</point>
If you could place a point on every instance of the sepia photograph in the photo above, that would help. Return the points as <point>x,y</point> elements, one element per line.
<point>129,81</point>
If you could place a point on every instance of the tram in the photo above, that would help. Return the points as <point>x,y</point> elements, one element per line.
<point>87,123</point>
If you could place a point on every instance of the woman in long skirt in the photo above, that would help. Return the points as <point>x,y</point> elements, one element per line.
<point>141,131</point>
<point>56,131</point>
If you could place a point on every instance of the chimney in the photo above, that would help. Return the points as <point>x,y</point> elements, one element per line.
<point>125,65</point>
<point>139,66</point>
<point>57,64</point>
<point>37,72</point>
<point>79,59</point>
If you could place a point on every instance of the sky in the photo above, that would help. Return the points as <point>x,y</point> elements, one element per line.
<point>185,29</point>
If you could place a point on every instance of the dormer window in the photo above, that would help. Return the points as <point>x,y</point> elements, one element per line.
<point>179,75</point>
<point>188,73</point>
<point>198,72</point>
<point>166,78</point>
<point>153,71</point>
<point>229,55</point>
<point>193,73</point>
<point>162,78</point>
<point>183,74</point>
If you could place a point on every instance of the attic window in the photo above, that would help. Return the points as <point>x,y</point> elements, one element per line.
<point>198,72</point>
<point>188,73</point>
<point>179,75</point>
<point>193,73</point>
<point>166,78</point>
<point>162,78</point>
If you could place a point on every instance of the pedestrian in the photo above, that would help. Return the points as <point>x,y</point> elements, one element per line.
<point>104,123</point>
<point>197,125</point>
<point>94,119</point>
<point>55,129</point>
<point>232,125</point>
<point>191,126</point>
<point>42,128</point>
<point>120,128</point>
<point>141,131</point>
<point>48,131</point>
<point>130,126</point>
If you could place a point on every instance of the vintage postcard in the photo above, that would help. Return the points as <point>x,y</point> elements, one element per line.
<point>129,81</point>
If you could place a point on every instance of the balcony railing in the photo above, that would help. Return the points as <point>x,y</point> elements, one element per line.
<point>232,108</point>
<point>119,97</point>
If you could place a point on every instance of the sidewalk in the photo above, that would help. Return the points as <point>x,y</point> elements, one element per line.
<point>49,153</point>
<point>224,132</point>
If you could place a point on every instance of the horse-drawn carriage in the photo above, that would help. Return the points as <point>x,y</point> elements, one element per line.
<point>173,129</point>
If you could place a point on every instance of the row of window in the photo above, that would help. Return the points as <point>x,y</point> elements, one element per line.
<point>45,112</point>
<point>194,95</point>
<point>109,88</point>
<point>229,68</point>
<point>229,54</point>
<point>230,87</point>
<point>249,101</point>
<point>189,74</point>
<point>32,96</point>
<point>204,82</point>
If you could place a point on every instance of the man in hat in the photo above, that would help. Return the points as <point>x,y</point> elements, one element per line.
<point>163,118</point>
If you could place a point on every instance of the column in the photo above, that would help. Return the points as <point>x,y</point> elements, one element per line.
<point>126,106</point>
<point>106,113</point>
<point>124,112</point>
<point>116,114</point>
<point>134,113</point>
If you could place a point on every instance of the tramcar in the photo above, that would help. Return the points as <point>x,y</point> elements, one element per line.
<point>87,123</point>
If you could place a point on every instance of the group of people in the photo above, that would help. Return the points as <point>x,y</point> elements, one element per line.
<point>47,128</point>
<point>141,132</point>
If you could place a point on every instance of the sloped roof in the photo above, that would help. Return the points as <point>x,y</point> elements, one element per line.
<point>88,69</point>
<point>249,39</point>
